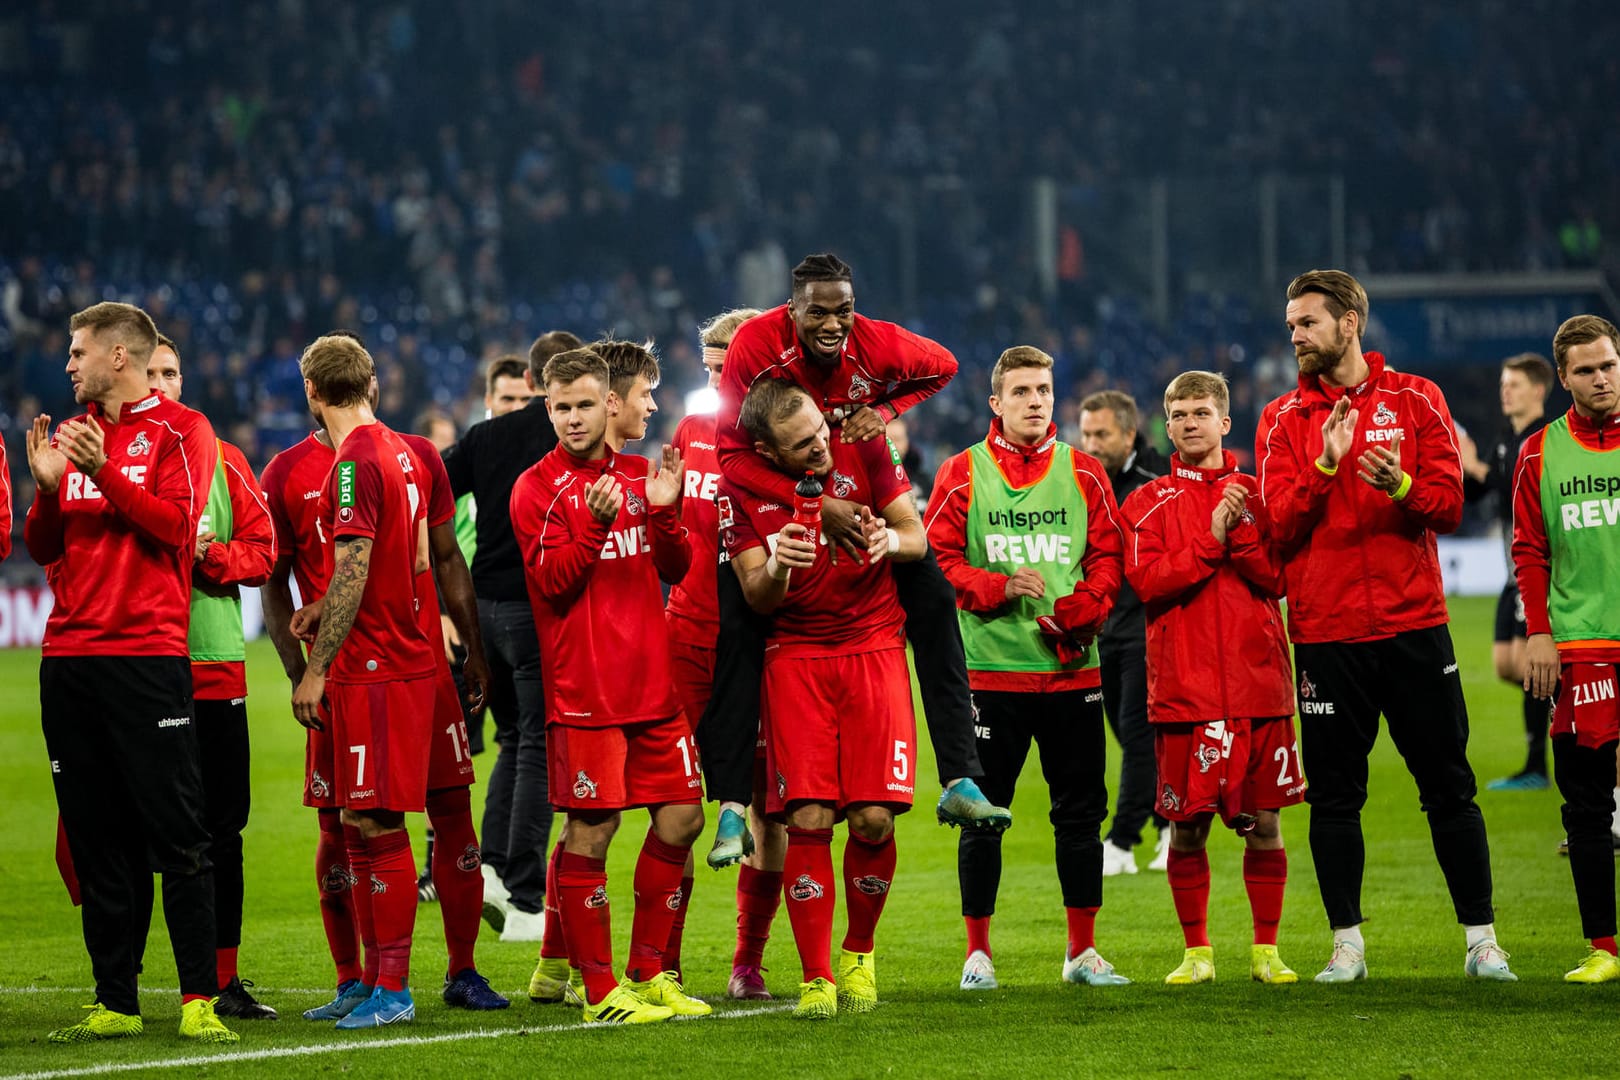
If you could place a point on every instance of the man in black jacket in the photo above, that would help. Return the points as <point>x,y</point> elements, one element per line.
<point>1108,432</point>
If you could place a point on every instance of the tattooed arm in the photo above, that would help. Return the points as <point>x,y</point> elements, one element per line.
<point>350,566</point>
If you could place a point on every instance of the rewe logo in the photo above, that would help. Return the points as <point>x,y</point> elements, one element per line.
<point>702,485</point>
<point>626,543</point>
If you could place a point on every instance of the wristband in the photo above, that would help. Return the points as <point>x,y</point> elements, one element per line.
<point>1406,486</point>
<point>772,566</point>
<point>1324,470</point>
<point>894,541</point>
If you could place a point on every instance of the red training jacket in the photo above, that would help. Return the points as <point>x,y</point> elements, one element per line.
<point>124,539</point>
<point>981,590</point>
<point>1532,554</point>
<point>246,559</point>
<point>5,504</point>
<point>1215,643</point>
<point>1360,565</point>
<point>598,610</point>
<point>880,363</point>
<point>694,601</point>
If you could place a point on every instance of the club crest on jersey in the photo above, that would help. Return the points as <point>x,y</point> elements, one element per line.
<point>858,387</point>
<point>806,888</point>
<point>842,485</point>
<point>673,900</point>
<point>597,899</point>
<point>1384,416</point>
<point>634,504</point>
<point>872,885</point>
<point>318,786</point>
<point>1207,756</point>
<point>584,786</point>
<point>471,859</point>
<point>140,445</point>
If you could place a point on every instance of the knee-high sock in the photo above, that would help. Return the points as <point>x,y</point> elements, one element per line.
<point>362,891</point>
<point>812,897</point>
<point>336,881</point>
<point>759,893</point>
<point>658,886</point>
<point>677,929</point>
<point>1189,887</point>
<point>1082,929</point>
<point>868,873</point>
<point>1265,875</point>
<point>582,892</point>
<point>393,906</point>
<point>554,938</point>
<point>457,874</point>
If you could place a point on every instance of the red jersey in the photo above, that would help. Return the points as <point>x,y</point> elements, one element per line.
<point>292,485</point>
<point>441,507</point>
<point>245,559</point>
<point>983,591</point>
<point>124,540</point>
<point>374,491</point>
<point>880,364</point>
<point>845,609</point>
<point>695,598</point>
<point>1215,643</point>
<point>5,504</point>
<point>598,609</point>
<point>1360,565</point>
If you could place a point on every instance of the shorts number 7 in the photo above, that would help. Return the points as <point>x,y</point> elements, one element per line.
<point>359,753</point>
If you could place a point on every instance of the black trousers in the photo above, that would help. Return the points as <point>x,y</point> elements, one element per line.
<point>1586,780</point>
<point>1067,729</point>
<point>1412,680</point>
<point>728,731</point>
<point>122,739</point>
<point>1124,689</point>
<point>518,806</point>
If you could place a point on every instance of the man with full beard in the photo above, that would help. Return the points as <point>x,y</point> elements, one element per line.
<point>1359,471</point>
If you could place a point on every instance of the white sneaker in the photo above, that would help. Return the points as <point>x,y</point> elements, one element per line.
<point>494,888</point>
<point>1161,851</point>
<point>524,925</point>
<point>1090,969</point>
<point>1487,961</point>
<point>1117,860</point>
<point>1347,964</point>
<point>979,973</point>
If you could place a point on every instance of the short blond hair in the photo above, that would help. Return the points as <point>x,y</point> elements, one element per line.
<point>1195,386</point>
<point>340,369</point>
<point>126,323</point>
<point>1581,330</point>
<point>1019,356</point>
<point>717,332</point>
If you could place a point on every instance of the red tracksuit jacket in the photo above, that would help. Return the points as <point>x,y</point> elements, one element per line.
<point>1360,565</point>
<point>246,559</point>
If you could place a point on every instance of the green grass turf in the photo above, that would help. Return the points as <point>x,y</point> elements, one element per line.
<point>1417,1016</point>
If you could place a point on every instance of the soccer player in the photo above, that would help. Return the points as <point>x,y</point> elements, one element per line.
<point>119,494</point>
<point>236,546</point>
<point>1359,471</point>
<point>1109,433</point>
<point>861,373</point>
<point>517,808</point>
<point>1525,381</point>
<point>598,530</point>
<point>1566,545</point>
<point>1220,690</point>
<point>371,662</point>
<point>1026,531</point>
<point>633,375</point>
<point>840,737</point>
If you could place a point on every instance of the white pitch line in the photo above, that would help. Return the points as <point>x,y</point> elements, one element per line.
<point>145,990</point>
<point>351,1046</point>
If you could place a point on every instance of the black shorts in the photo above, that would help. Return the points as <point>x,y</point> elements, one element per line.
<point>1510,614</point>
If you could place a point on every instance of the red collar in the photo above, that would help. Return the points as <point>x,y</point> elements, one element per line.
<point>1204,476</point>
<point>999,441</point>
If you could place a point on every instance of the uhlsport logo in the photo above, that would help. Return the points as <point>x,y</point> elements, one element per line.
<point>872,885</point>
<point>1384,416</point>
<point>141,445</point>
<point>597,899</point>
<point>471,859</point>
<point>806,888</point>
<point>584,786</point>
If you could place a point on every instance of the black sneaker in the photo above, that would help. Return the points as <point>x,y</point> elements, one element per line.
<point>426,891</point>
<point>234,1000</point>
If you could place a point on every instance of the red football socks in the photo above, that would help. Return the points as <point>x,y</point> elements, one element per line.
<point>1606,944</point>
<point>457,874</point>
<point>393,906</point>
<point>225,966</point>
<point>582,895</point>
<point>978,933</point>
<point>333,877</point>
<point>554,939</point>
<point>1189,887</point>
<point>812,897</point>
<point>868,873</point>
<point>658,884</point>
<point>1265,874</point>
<point>1082,929</point>
<point>677,929</point>
<point>362,893</point>
<point>759,892</point>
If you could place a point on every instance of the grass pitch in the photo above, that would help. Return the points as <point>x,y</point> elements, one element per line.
<point>1417,1015</point>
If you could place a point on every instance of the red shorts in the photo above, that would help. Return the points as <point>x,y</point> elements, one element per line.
<point>839,729</point>
<point>1228,767</point>
<point>694,674</point>
<point>450,762</point>
<point>381,736</point>
<point>622,766</point>
<point>1587,705</point>
<point>320,789</point>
